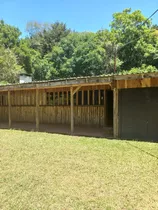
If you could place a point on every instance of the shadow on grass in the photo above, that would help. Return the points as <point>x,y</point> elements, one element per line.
<point>84,131</point>
<point>142,150</point>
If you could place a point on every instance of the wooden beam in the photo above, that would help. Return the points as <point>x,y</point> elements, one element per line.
<point>126,83</point>
<point>115,113</point>
<point>41,87</point>
<point>9,110</point>
<point>77,89</point>
<point>37,109</point>
<point>72,109</point>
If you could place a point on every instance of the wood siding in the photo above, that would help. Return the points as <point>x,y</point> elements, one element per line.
<point>83,115</point>
<point>23,113</point>
<point>23,108</point>
<point>3,114</point>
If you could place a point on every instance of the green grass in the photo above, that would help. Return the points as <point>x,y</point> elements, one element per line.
<point>46,171</point>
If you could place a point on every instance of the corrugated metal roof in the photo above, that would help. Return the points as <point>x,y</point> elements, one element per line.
<point>109,77</point>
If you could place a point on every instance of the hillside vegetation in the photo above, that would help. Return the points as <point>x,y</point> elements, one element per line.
<point>51,50</point>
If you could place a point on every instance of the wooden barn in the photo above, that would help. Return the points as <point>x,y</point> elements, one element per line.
<point>119,106</point>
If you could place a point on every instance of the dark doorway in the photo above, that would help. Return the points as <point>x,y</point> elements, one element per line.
<point>109,108</point>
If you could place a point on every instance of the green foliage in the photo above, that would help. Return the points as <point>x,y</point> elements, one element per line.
<point>53,51</point>
<point>44,36</point>
<point>26,55</point>
<point>9,69</point>
<point>143,69</point>
<point>9,35</point>
<point>139,41</point>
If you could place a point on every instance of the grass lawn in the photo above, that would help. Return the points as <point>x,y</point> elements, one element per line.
<point>46,171</point>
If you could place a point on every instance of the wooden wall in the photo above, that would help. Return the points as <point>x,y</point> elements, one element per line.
<point>23,107</point>
<point>137,83</point>
<point>23,113</point>
<point>3,114</point>
<point>83,115</point>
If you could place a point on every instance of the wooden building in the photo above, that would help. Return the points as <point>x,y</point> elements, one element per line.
<point>126,104</point>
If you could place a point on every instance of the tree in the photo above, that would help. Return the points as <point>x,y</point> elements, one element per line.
<point>45,36</point>
<point>26,55</point>
<point>108,42</point>
<point>9,69</point>
<point>76,55</point>
<point>53,51</point>
<point>9,35</point>
<point>136,34</point>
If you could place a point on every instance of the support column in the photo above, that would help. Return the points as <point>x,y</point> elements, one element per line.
<point>37,109</point>
<point>72,93</point>
<point>9,110</point>
<point>72,110</point>
<point>115,113</point>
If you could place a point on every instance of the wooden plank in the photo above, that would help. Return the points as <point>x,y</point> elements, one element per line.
<point>9,110</point>
<point>77,89</point>
<point>146,82</point>
<point>57,86</point>
<point>31,97</point>
<point>115,113</point>
<point>72,110</point>
<point>126,84</point>
<point>37,109</point>
<point>154,82</point>
<point>28,98</point>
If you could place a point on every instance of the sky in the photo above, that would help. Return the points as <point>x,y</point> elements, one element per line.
<point>79,15</point>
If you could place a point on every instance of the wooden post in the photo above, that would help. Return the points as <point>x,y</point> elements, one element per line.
<point>9,110</point>
<point>72,110</point>
<point>37,109</point>
<point>115,113</point>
